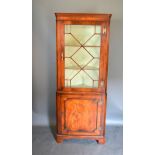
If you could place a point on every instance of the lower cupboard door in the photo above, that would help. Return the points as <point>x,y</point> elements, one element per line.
<point>82,115</point>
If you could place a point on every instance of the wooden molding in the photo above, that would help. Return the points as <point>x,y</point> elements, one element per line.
<point>82,17</point>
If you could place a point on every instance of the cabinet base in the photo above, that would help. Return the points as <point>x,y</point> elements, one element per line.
<point>99,139</point>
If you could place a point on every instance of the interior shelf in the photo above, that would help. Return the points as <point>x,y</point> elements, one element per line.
<point>81,86</point>
<point>85,68</point>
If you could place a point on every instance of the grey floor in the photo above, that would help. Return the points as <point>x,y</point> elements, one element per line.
<point>44,143</point>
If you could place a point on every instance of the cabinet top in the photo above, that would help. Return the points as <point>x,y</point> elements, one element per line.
<point>83,16</point>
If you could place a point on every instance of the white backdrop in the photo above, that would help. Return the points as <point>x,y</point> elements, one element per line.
<point>44,55</point>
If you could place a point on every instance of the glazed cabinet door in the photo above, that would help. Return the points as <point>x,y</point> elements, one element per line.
<point>82,55</point>
<point>82,115</point>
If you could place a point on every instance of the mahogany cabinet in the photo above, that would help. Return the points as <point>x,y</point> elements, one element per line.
<point>82,43</point>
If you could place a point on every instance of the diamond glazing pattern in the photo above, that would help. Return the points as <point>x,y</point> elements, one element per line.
<point>82,55</point>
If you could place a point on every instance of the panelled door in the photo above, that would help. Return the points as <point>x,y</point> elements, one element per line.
<point>82,115</point>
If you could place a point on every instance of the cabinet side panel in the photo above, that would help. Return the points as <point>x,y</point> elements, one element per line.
<point>58,114</point>
<point>59,49</point>
<point>104,112</point>
<point>106,55</point>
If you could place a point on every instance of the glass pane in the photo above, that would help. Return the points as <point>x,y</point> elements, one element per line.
<point>94,74</point>
<point>70,41</point>
<point>95,83</point>
<point>94,51</point>
<point>94,41</point>
<point>70,64</point>
<point>94,64</point>
<point>98,29</point>
<point>70,73</point>
<point>82,55</point>
<point>70,50</point>
<point>82,80</point>
<point>67,29</point>
<point>82,32</point>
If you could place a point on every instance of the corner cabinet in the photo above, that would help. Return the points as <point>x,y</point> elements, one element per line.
<point>82,42</point>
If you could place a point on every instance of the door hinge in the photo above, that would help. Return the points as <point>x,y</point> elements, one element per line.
<point>100,102</point>
<point>100,128</point>
<point>104,30</point>
<point>102,83</point>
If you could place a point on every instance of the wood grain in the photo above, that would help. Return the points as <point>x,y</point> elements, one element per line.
<point>81,115</point>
